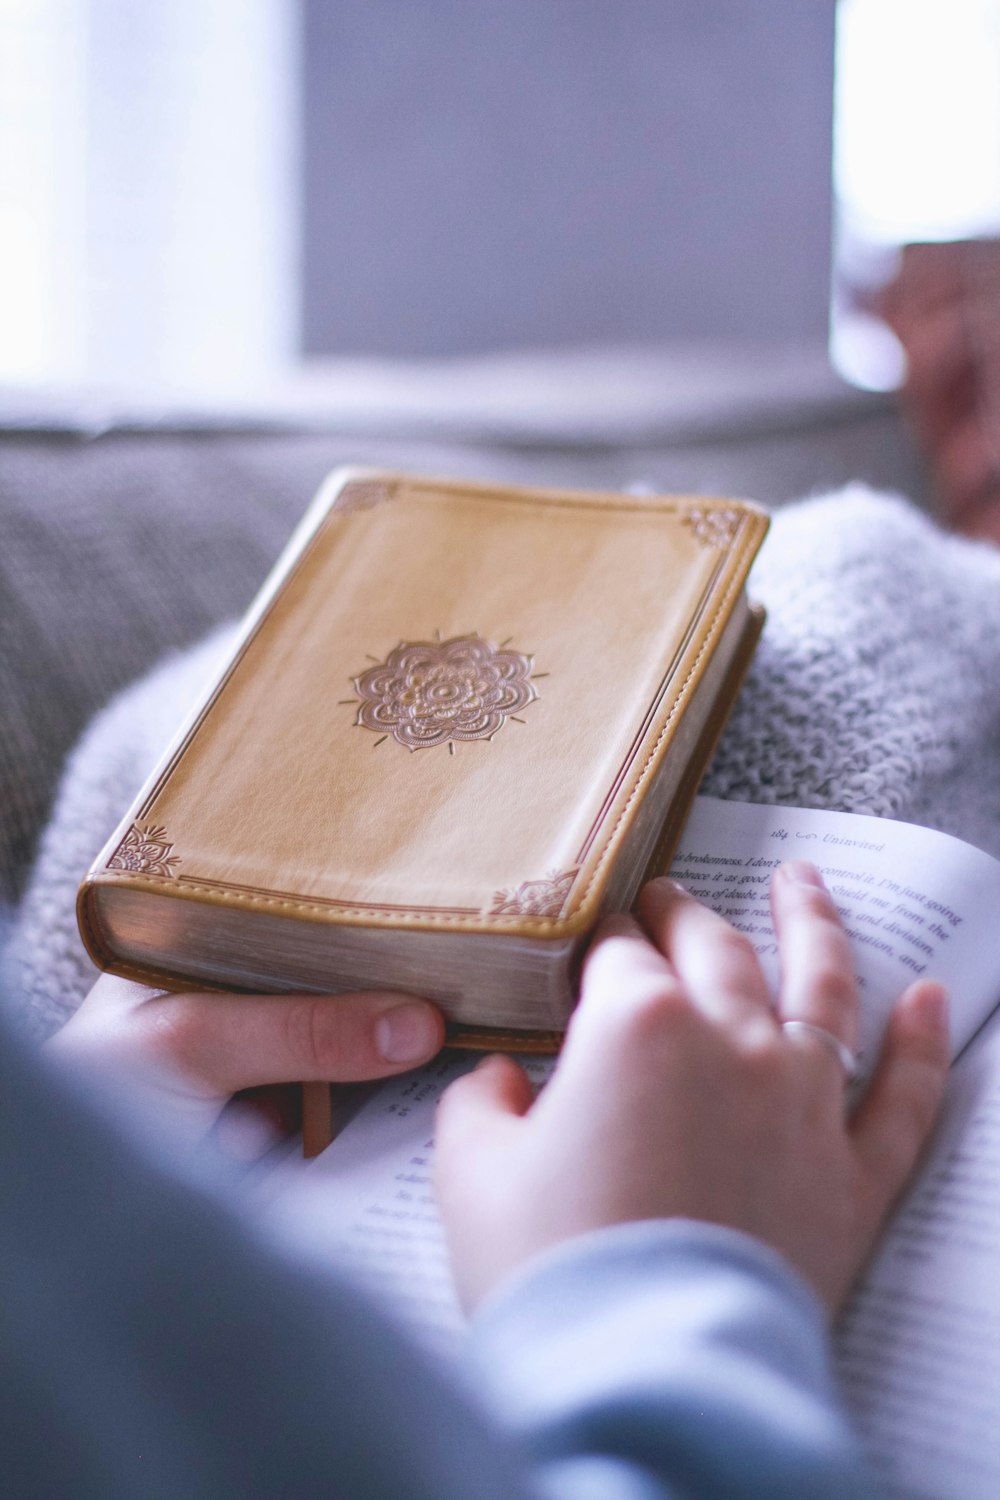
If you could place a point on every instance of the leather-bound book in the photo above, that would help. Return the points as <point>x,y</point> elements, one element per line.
<point>460,723</point>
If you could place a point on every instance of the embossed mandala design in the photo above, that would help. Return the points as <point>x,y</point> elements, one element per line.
<point>427,693</point>
<point>535,898</point>
<point>144,851</point>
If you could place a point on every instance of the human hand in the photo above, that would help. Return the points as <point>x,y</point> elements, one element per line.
<point>192,1052</point>
<point>677,1094</point>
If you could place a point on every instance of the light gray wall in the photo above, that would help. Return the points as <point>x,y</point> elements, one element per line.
<point>484,175</point>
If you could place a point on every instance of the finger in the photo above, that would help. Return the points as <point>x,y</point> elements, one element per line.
<point>497,1090</point>
<point>231,1042</point>
<point>633,1020</point>
<point>895,1118</point>
<point>716,964</point>
<point>479,1122</point>
<point>817,965</point>
<point>624,976</point>
<point>621,957</point>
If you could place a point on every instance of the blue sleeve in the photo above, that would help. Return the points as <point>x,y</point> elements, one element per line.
<point>151,1343</point>
<point>669,1358</point>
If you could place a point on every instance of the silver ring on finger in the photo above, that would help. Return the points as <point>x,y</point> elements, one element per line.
<point>847,1059</point>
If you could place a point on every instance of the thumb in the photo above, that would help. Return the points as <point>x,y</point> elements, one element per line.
<point>224,1043</point>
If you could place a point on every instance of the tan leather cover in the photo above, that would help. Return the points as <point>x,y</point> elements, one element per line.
<point>445,709</point>
<point>511,1039</point>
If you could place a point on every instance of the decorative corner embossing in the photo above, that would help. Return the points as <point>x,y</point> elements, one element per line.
<point>362,494</point>
<point>535,898</point>
<point>714,526</point>
<point>430,693</point>
<point>145,851</point>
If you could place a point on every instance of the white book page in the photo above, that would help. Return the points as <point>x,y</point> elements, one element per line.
<point>918,1349</point>
<point>369,1196</point>
<point>369,1200</point>
<point>917,904</point>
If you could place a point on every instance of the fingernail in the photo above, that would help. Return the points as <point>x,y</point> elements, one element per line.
<point>801,872</point>
<point>670,883</point>
<point>932,1003</point>
<point>407,1033</point>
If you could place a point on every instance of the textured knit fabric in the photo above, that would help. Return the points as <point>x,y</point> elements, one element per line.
<point>152,1345</point>
<point>876,689</point>
<point>876,686</point>
<point>110,554</point>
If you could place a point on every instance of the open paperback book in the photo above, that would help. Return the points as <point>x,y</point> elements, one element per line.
<point>918,1347</point>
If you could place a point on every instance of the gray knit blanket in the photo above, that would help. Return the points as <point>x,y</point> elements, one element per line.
<point>876,689</point>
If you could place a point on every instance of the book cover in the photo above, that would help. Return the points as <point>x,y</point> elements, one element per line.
<point>456,710</point>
